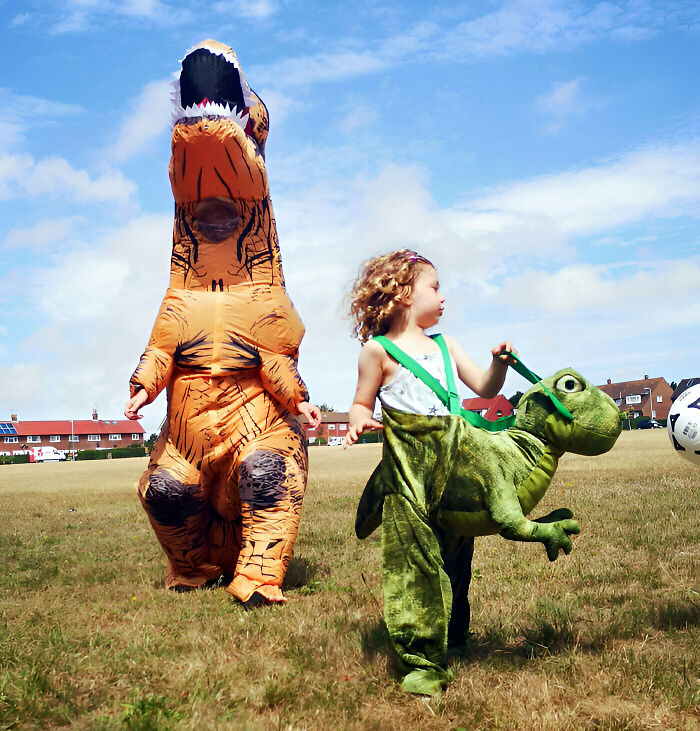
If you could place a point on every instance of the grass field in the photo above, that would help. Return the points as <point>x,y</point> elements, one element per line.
<point>607,637</point>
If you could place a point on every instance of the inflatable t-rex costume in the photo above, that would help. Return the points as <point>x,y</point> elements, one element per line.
<point>440,477</point>
<point>226,479</point>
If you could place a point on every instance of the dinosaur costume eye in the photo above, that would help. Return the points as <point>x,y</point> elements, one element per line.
<point>569,384</point>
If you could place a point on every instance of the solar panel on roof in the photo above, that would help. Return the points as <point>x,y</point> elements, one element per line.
<point>7,427</point>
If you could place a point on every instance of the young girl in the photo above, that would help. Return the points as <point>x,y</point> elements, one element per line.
<point>426,571</point>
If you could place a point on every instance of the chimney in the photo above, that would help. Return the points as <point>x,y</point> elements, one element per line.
<point>13,417</point>
<point>609,381</point>
<point>94,414</point>
<point>646,378</point>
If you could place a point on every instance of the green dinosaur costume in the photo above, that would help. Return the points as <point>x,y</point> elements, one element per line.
<point>441,478</point>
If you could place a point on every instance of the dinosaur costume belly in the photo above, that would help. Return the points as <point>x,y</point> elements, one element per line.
<point>226,479</point>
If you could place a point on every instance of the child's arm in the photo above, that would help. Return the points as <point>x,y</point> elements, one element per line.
<point>486,383</point>
<point>369,378</point>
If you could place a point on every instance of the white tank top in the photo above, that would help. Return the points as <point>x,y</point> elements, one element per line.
<point>406,392</point>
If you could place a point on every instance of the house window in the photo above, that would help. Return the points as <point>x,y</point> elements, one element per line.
<point>135,437</point>
<point>11,440</point>
<point>618,402</point>
<point>634,399</point>
<point>54,438</point>
<point>331,427</point>
<point>73,438</point>
<point>93,437</point>
<point>312,428</point>
<point>342,427</point>
<point>34,440</point>
<point>114,437</point>
<point>659,399</point>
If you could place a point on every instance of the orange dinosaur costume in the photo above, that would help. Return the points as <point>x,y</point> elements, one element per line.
<point>226,479</point>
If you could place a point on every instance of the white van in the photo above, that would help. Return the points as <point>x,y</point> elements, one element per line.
<point>46,454</point>
<point>335,441</point>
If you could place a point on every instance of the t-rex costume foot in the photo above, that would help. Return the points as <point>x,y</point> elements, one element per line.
<point>226,479</point>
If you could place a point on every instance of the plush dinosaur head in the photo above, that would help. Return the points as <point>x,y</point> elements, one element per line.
<point>225,230</point>
<point>596,424</point>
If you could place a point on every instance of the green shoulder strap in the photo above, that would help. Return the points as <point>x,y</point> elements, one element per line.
<point>450,397</point>
<point>521,368</point>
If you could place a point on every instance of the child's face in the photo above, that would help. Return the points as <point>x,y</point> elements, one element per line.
<point>427,303</point>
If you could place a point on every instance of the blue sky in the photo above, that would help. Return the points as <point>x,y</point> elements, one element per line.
<point>545,155</point>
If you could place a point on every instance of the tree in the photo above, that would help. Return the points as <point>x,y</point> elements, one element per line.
<point>150,441</point>
<point>515,398</point>
<point>674,385</point>
<point>325,407</point>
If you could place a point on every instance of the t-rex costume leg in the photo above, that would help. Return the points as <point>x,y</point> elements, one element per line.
<point>226,479</point>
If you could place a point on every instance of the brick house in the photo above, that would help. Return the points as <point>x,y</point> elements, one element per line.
<point>333,424</point>
<point>489,408</point>
<point>649,397</point>
<point>16,437</point>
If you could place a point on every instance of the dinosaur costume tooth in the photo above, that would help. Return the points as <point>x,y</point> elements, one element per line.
<point>230,437</point>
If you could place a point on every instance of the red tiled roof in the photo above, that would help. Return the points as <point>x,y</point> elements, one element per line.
<point>492,406</point>
<point>629,388</point>
<point>77,426</point>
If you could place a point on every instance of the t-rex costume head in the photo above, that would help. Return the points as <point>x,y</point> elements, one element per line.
<point>225,230</point>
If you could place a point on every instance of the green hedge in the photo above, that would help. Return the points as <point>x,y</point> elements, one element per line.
<point>14,459</point>
<point>117,453</point>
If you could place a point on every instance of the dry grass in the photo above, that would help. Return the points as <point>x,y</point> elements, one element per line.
<point>605,638</point>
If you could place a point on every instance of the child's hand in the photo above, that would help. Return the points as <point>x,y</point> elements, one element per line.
<point>508,347</point>
<point>131,410</point>
<point>311,412</point>
<point>355,430</point>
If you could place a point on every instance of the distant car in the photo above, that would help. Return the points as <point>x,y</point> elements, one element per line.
<point>46,454</point>
<point>335,441</point>
<point>649,424</point>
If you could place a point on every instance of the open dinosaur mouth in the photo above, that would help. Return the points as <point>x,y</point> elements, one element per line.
<point>211,84</point>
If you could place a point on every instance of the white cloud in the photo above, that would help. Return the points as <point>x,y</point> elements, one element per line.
<point>23,113</point>
<point>96,306</point>
<point>279,105</point>
<point>257,9</point>
<point>321,67</point>
<point>20,19</point>
<point>42,235</point>
<point>149,118</point>
<point>655,181</point>
<point>83,15</point>
<point>23,177</point>
<point>516,27</point>
<point>588,289</point>
<point>564,100</point>
<point>359,117</point>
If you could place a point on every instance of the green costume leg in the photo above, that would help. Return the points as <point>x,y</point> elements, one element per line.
<point>457,553</point>
<point>417,596</point>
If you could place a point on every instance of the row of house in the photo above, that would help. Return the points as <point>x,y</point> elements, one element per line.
<point>647,397</point>
<point>17,437</point>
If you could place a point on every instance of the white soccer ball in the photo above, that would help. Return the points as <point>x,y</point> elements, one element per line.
<point>684,424</point>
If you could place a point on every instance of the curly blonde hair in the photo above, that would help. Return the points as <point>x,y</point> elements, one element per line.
<point>381,281</point>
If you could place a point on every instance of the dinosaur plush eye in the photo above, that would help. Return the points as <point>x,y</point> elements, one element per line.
<point>569,384</point>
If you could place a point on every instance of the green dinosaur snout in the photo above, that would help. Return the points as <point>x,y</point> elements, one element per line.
<point>596,424</point>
